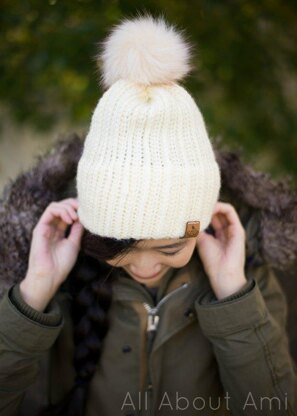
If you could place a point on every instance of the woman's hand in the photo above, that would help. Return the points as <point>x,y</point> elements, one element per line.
<point>52,256</point>
<point>223,255</point>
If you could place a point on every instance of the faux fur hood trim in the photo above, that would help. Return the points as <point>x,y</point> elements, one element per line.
<point>267,208</point>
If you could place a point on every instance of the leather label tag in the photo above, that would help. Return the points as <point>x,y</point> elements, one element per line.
<point>192,229</point>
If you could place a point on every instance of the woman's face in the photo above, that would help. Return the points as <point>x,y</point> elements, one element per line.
<point>150,259</point>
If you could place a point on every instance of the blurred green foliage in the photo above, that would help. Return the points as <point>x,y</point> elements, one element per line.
<point>245,80</point>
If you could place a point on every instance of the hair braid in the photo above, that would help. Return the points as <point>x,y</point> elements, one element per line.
<point>92,297</point>
<point>90,318</point>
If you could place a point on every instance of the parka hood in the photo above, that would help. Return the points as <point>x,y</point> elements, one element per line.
<point>267,208</point>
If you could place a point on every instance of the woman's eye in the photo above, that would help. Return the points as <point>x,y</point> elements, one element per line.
<point>170,254</point>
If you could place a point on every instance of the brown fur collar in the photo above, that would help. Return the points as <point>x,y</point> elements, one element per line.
<point>272,205</point>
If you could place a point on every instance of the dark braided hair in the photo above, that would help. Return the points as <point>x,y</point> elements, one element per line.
<point>91,291</point>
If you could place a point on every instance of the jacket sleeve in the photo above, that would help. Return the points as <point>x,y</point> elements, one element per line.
<point>25,335</point>
<point>247,331</point>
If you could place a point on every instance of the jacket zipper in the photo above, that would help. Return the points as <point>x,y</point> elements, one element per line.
<point>152,324</point>
<point>153,317</point>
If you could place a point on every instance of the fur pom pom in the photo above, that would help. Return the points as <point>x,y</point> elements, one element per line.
<point>144,50</point>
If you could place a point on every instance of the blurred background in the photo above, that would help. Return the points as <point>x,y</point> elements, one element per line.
<point>245,81</point>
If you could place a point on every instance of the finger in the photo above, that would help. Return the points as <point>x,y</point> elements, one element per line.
<point>70,209</point>
<point>226,222</point>
<point>64,215</point>
<point>76,233</point>
<point>200,238</point>
<point>53,214</point>
<point>203,238</point>
<point>223,220</point>
<point>220,230</point>
<point>224,227</point>
<point>220,218</point>
<point>59,226</point>
<point>216,223</point>
<point>72,201</point>
<point>229,212</point>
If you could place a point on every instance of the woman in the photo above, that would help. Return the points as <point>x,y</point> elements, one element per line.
<point>140,295</point>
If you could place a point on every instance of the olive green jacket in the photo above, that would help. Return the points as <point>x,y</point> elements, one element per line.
<point>190,354</point>
<point>230,355</point>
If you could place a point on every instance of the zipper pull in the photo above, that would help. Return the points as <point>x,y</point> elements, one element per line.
<point>152,322</point>
<point>152,318</point>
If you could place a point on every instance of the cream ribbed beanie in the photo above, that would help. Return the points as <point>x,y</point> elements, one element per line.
<point>148,168</point>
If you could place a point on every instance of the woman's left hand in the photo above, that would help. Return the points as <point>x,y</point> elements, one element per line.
<point>223,255</point>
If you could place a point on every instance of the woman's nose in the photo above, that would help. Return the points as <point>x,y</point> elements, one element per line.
<point>145,266</point>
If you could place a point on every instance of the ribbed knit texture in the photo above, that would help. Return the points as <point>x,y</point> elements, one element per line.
<point>147,165</point>
<point>51,316</point>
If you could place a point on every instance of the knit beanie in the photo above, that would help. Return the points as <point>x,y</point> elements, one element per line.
<point>147,169</point>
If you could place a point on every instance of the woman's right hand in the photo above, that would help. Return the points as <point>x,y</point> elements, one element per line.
<point>52,256</point>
